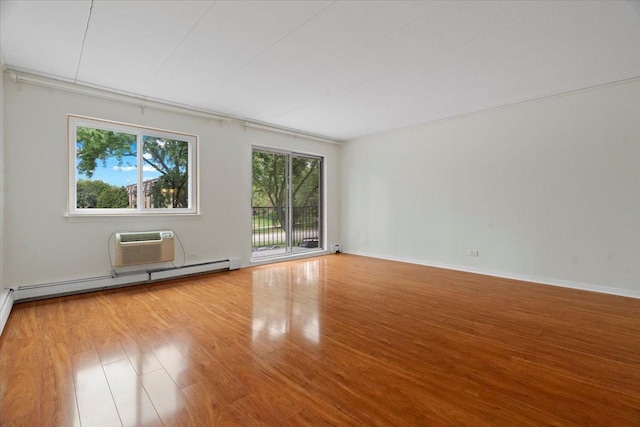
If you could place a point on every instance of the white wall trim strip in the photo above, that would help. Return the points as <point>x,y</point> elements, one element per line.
<point>516,103</point>
<point>520,277</point>
<point>6,304</point>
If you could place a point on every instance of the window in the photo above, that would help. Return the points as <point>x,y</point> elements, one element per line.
<point>286,204</point>
<point>122,169</point>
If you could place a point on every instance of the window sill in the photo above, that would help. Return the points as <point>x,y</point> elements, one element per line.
<point>129,217</point>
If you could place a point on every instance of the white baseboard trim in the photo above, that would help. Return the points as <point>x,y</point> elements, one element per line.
<point>284,258</point>
<point>190,270</point>
<point>6,303</point>
<point>46,290</point>
<point>521,277</point>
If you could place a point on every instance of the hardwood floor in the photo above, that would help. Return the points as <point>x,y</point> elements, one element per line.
<point>334,340</point>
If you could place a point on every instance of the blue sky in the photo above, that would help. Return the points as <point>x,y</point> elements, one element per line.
<point>121,176</point>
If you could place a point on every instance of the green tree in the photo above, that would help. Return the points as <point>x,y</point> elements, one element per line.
<point>169,157</point>
<point>95,145</point>
<point>305,180</point>
<point>99,194</point>
<point>269,179</point>
<point>113,197</point>
<point>88,191</point>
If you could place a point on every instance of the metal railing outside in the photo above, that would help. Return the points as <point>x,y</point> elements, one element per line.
<point>269,232</point>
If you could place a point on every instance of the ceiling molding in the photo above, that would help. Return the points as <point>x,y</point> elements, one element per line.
<point>157,104</point>
<point>503,107</point>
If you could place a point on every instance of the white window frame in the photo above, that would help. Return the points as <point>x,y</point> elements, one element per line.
<point>75,121</point>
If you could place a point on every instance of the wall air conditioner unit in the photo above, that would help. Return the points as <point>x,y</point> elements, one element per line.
<point>146,247</point>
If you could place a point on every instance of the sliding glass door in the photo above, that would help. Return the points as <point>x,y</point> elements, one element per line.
<point>286,203</point>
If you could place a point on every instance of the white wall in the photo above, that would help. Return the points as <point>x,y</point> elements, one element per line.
<point>42,245</point>
<point>1,179</point>
<point>6,296</point>
<point>547,191</point>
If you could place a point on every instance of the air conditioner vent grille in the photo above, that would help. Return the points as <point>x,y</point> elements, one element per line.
<point>140,237</point>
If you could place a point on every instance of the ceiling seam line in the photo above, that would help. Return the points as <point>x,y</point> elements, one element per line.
<point>184,38</point>
<point>246,64</point>
<point>84,38</point>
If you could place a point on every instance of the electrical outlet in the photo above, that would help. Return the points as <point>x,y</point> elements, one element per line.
<point>473,252</point>
<point>336,249</point>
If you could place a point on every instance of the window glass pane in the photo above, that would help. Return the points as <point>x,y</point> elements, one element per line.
<point>165,173</point>
<point>270,202</point>
<point>106,162</point>
<point>305,207</point>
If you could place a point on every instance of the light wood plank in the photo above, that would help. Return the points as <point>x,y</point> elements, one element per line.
<point>95,402</point>
<point>168,400</point>
<point>133,404</point>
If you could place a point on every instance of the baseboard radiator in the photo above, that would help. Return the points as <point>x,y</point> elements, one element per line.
<point>68,287</point>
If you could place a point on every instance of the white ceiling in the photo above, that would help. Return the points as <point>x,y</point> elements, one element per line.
<point>340,69</point>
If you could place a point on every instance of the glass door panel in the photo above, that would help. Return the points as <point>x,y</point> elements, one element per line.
<point>305,207</point>
<point>286,204</point>
<point>270,201</point>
